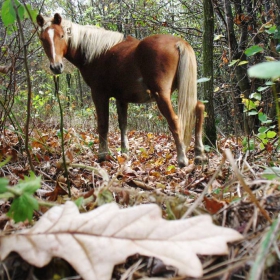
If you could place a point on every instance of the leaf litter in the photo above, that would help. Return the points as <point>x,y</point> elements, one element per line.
<point>149,174</point>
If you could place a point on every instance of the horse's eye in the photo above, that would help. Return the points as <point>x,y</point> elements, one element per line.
<point>62,36</point>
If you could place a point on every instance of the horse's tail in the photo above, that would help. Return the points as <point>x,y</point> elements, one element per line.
<point>187,91</point>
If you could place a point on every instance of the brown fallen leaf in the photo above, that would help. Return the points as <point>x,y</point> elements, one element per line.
<point>139,184</point>
<point>58,190</point>
<point>213,205</point>
<point>95,241</point>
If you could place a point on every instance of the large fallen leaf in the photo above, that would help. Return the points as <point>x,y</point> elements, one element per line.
<point>94,242</point>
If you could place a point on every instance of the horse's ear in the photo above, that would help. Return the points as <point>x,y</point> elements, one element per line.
<point>57,19</point>
<point>40,20</point>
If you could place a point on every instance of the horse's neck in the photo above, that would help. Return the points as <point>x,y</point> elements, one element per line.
<point>75,57</point>
<point>89,70</point>
<point>88,43</point>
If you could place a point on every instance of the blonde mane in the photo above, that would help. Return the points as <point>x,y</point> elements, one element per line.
<point>92,40</point>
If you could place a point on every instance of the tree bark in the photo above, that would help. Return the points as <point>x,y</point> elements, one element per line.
<point>208,36</point>
<point>236,51</point>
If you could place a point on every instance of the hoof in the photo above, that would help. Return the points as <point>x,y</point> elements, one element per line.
<point>183,163</point>
<point>201,159</point>
<point>102,157</point>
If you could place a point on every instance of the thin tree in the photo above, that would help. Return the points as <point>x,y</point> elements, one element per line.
<point>207,46</point>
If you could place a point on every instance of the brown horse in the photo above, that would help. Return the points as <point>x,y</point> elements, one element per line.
<point>131,71</point>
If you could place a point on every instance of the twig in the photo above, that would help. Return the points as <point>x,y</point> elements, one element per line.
<point>201,197</point>
<point>29,95</point>
<point>265,245</point>
<point>263,150</point>
<point>230,158</point>
<point>56,83</point>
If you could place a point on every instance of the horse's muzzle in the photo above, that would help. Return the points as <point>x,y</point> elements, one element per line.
<point>57,68</point>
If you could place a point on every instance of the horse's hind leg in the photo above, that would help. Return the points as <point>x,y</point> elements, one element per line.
<point>165,107</point>
<point>102,111</point>
<point>122,118</point>
<point>200,156</point>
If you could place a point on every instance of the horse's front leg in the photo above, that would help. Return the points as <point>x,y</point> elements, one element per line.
<point>200,156</point>
<point>102,111</point>
<point>122,118</point>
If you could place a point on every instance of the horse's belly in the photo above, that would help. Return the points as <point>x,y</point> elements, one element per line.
<point>135,92</point>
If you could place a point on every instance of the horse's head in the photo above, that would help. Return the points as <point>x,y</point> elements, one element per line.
<point>53,40</point>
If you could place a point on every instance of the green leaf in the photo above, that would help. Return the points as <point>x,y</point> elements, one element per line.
<point>261,146</point>
<point>104,197</point>
<point>260,89</point>
<point>21,9</point>
<point>265,247</point>
<point>3,185</point>
<point>256,96</point>
<point>271,173</point>
<point>3,163</point>
<point>29,184</point>
<point>262,117</point>
<point>248,146</point>
<point>8,13</point>
<point>262,135</point>
<point>234,62</point>
<point>253,50</point>
<point>271,134</point>
<point>79,202</point>
<point>252,113</point>
<point>203,80</point>
<point>22,208</point>
<point>262,129</point>
<point>265,70</point>
<point>207,148</point>
<point>268,121</point>
<point>169,212</point>
<point>272,30</point>
<point>218,37</point>
<point>249,104</point>
<point>170,167</point>
<point>32,12</point>
<point>277,34</point>
<point>242,62</point>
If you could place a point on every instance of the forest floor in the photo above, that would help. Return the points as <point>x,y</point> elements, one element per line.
<point>149,174</point>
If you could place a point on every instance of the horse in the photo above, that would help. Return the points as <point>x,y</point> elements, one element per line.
<point>131,71</point>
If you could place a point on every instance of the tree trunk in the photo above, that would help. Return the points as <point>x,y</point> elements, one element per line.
<point>237,52</point>
<point>208,36</point>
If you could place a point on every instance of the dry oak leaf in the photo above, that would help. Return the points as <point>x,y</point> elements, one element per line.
<point>95,241</point>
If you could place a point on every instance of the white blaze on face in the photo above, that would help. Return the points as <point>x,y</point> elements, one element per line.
<point>51,35</point>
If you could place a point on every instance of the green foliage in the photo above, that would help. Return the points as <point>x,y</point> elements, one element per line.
<point>265,133</point>
<point>271,173</point>
<point>207,148</point>
<point>265,70</point>
<point>22,207</point>
<point>248,144</point>
<point>238,62</point>
<point>8,12</point>
<point>253,50</point>
<point>105,196</point>
<point>203,80</point>
<point>3,185</point>
<point>24,202</point>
